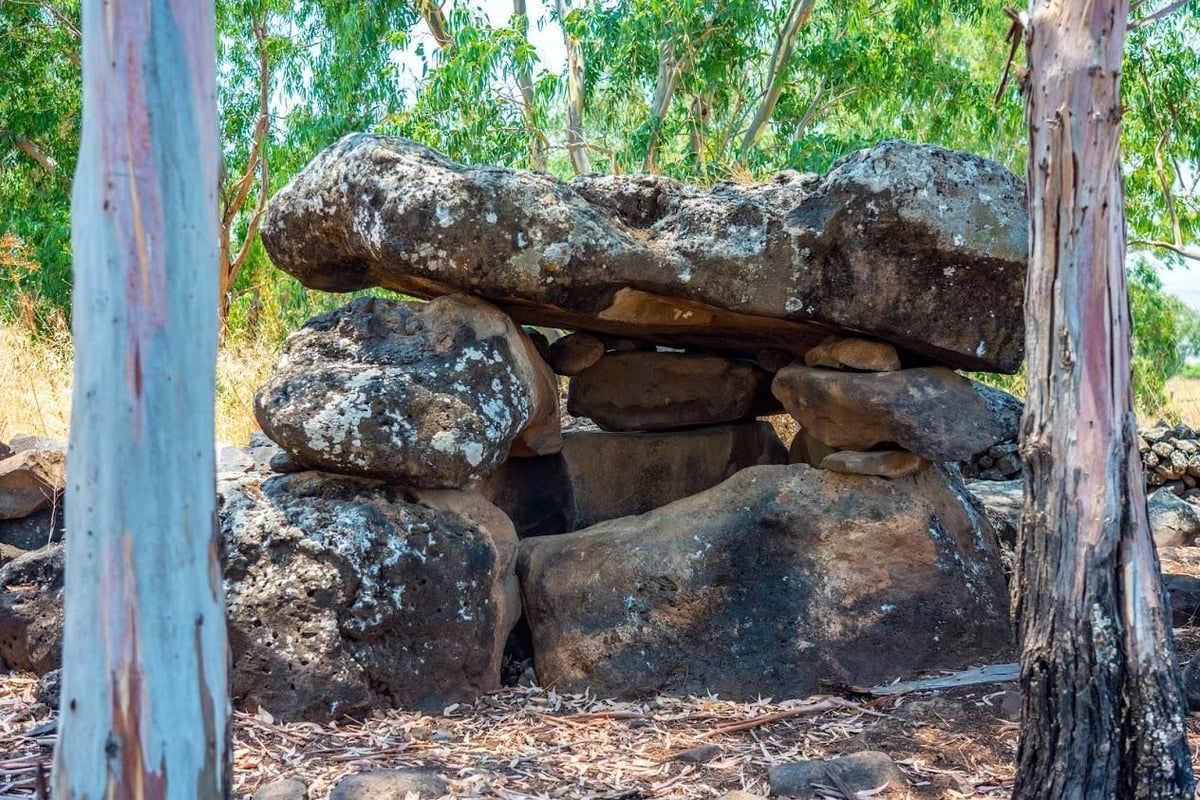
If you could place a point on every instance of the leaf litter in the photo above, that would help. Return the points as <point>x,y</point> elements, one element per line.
<point>531,743</point>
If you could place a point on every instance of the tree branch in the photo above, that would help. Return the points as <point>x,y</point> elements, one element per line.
<point>31,149</point>
<point>664,89</point>
<point>1154,16</point>
<point>1187,252</point>
<point>435,19</point>
<point>576,145</point>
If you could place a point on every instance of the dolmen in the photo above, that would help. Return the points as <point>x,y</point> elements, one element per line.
<point>561,402</point>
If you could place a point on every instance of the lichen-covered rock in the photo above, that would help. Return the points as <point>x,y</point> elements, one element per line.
<point>665,391</point>
<point>933,412</point>
<point>777,579</point>
<point>30,481</point>
<point>345,593</point>
<point>431,394</point>
<point>31,610</point>
<point>912,244</point>
<point>600,475</point>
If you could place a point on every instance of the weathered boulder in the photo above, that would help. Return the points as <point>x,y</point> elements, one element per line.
<point>36,530</point>
<point>883,463</point>
<point>859,354</point>
<point>391,784</point>
<point>912,244</point>
<point>665,391</point>
<point>867,772</point>
<point>574,353</point>
<point>30,481</point>
<point>431,394</point>
<point>1002,502</point>
<point>777,579</point>
<point>933,412</point>
<point>1173,522</point>
<point>344,593</point>
<point>600,476</point>
<point>31,611</point>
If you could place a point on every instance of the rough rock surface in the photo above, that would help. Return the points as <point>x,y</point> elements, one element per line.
<point>574,353</point>
<point>665,391</point>
<point>777,579</point>
<point>36,530</point>
<point>430,394</point>
<point>1002,502</point>
<point>884,463</point>
<point>31,616</point>
<point>859,354</point>
<point>933,412</point>
<point>30,481</point>
<point>864,772</point>
<point>391,784</point>
<point>286,789</point>
<point>1173,522</point>
<point>600,476</point>
<point>344,593</point>
<point>912,244</point>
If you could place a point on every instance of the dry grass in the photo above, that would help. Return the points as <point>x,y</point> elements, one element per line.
<point>36,381</point>
<point>1184,401</point>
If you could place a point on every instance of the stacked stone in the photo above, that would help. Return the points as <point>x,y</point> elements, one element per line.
<point>1000,462</point>
<point>672,549</point>
<point>1171,457</point>
<point>32,481</point>
<point>861,413</point>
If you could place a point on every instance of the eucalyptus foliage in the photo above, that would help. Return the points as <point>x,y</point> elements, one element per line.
<point>673,86</point>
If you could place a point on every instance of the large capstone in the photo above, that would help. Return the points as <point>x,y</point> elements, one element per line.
<point>346,593</point>
<point>777,579</point>
<point>431,394</point>
<point>913,244</point>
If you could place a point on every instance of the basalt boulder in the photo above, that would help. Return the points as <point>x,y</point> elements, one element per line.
<point>430,394</point>
<point>933,411</point>
<point>770,583</point>
<point>346,593</point>
<point>907,243</point>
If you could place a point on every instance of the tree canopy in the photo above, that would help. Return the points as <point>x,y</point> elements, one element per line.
<point>703,91</point>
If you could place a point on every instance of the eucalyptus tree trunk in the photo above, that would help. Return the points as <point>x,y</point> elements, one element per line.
<point>785,43</point>
<point>576,144</point>
<point>144,699</point>
<point>664,90</point>
<point>1103,706</point>
<point>537,140</point>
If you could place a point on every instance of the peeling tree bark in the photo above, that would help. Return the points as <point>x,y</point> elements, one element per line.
<point>1103,706</point>
<point>144,697</point>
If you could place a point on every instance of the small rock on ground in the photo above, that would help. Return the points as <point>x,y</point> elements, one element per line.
<point>860,772</point>
<point>390,784</point>
<point>286,789</point>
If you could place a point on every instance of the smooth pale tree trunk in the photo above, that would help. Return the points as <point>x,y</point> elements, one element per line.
<point>537,140</point>
<point>144,698</point>
<point>576,143</point>
<point>1103,713</point>
<point>785,43</point>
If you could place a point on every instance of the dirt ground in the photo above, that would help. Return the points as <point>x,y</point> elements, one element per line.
<point>529,742</point>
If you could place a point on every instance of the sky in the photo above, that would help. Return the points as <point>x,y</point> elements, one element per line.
<point>546,37</point>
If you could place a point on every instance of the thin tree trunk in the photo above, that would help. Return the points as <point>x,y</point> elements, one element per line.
<point>537,142</point>
<point>664,90</point>
<point>1103,706</point>
<point>698,118</point>
<point>576,144</point>
<point>230,266</point>
<point>799,13</point>
<point>145,708</point>
<point>435,19</point>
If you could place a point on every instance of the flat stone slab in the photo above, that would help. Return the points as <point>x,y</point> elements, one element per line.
<point>912,244</point>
